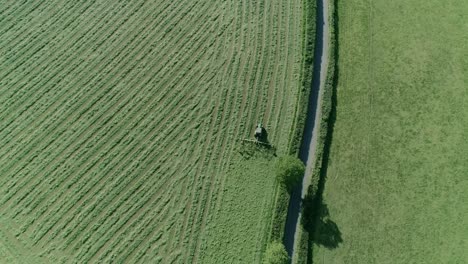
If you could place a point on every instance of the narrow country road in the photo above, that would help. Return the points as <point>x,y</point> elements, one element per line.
<point>309,140</point>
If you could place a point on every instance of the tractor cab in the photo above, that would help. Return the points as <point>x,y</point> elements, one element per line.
<point>259,134</point>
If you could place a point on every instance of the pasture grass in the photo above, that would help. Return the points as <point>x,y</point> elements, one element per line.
<point>396,182</point>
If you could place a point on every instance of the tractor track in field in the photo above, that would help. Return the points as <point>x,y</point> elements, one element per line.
<point>309,139</point>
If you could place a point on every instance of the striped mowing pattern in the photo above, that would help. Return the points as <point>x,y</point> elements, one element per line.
<point>119,119</point>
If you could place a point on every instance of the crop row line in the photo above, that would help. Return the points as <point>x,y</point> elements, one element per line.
<point>90,36</point>
<point>19,14</point>
<point>197,210</point>
<point>149,186</point>
<point>58,78</point>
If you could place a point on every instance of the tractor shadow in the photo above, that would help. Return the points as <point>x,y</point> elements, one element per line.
<point>261,135</point>
<point>258,145</point>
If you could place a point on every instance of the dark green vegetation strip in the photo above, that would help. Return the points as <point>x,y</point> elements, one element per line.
<point>312,205</point>
<point>305,84</point>
<point>309,25</point>
<point>281,210</point>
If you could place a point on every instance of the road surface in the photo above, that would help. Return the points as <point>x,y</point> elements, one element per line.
<point>309,140</point>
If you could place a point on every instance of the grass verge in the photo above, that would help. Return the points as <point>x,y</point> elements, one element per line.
<point>305,81</point>
<point>312,205</point>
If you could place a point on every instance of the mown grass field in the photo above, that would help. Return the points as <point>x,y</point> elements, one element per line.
<point>396,182</point>
<point>120,124</point>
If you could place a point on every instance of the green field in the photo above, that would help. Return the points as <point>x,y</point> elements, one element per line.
<point>120,127</point>
<point>396,184</point>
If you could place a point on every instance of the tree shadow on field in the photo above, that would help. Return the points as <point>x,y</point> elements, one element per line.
<point>322,230</point>
<point>327,232</point>
<point>317,222</point>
